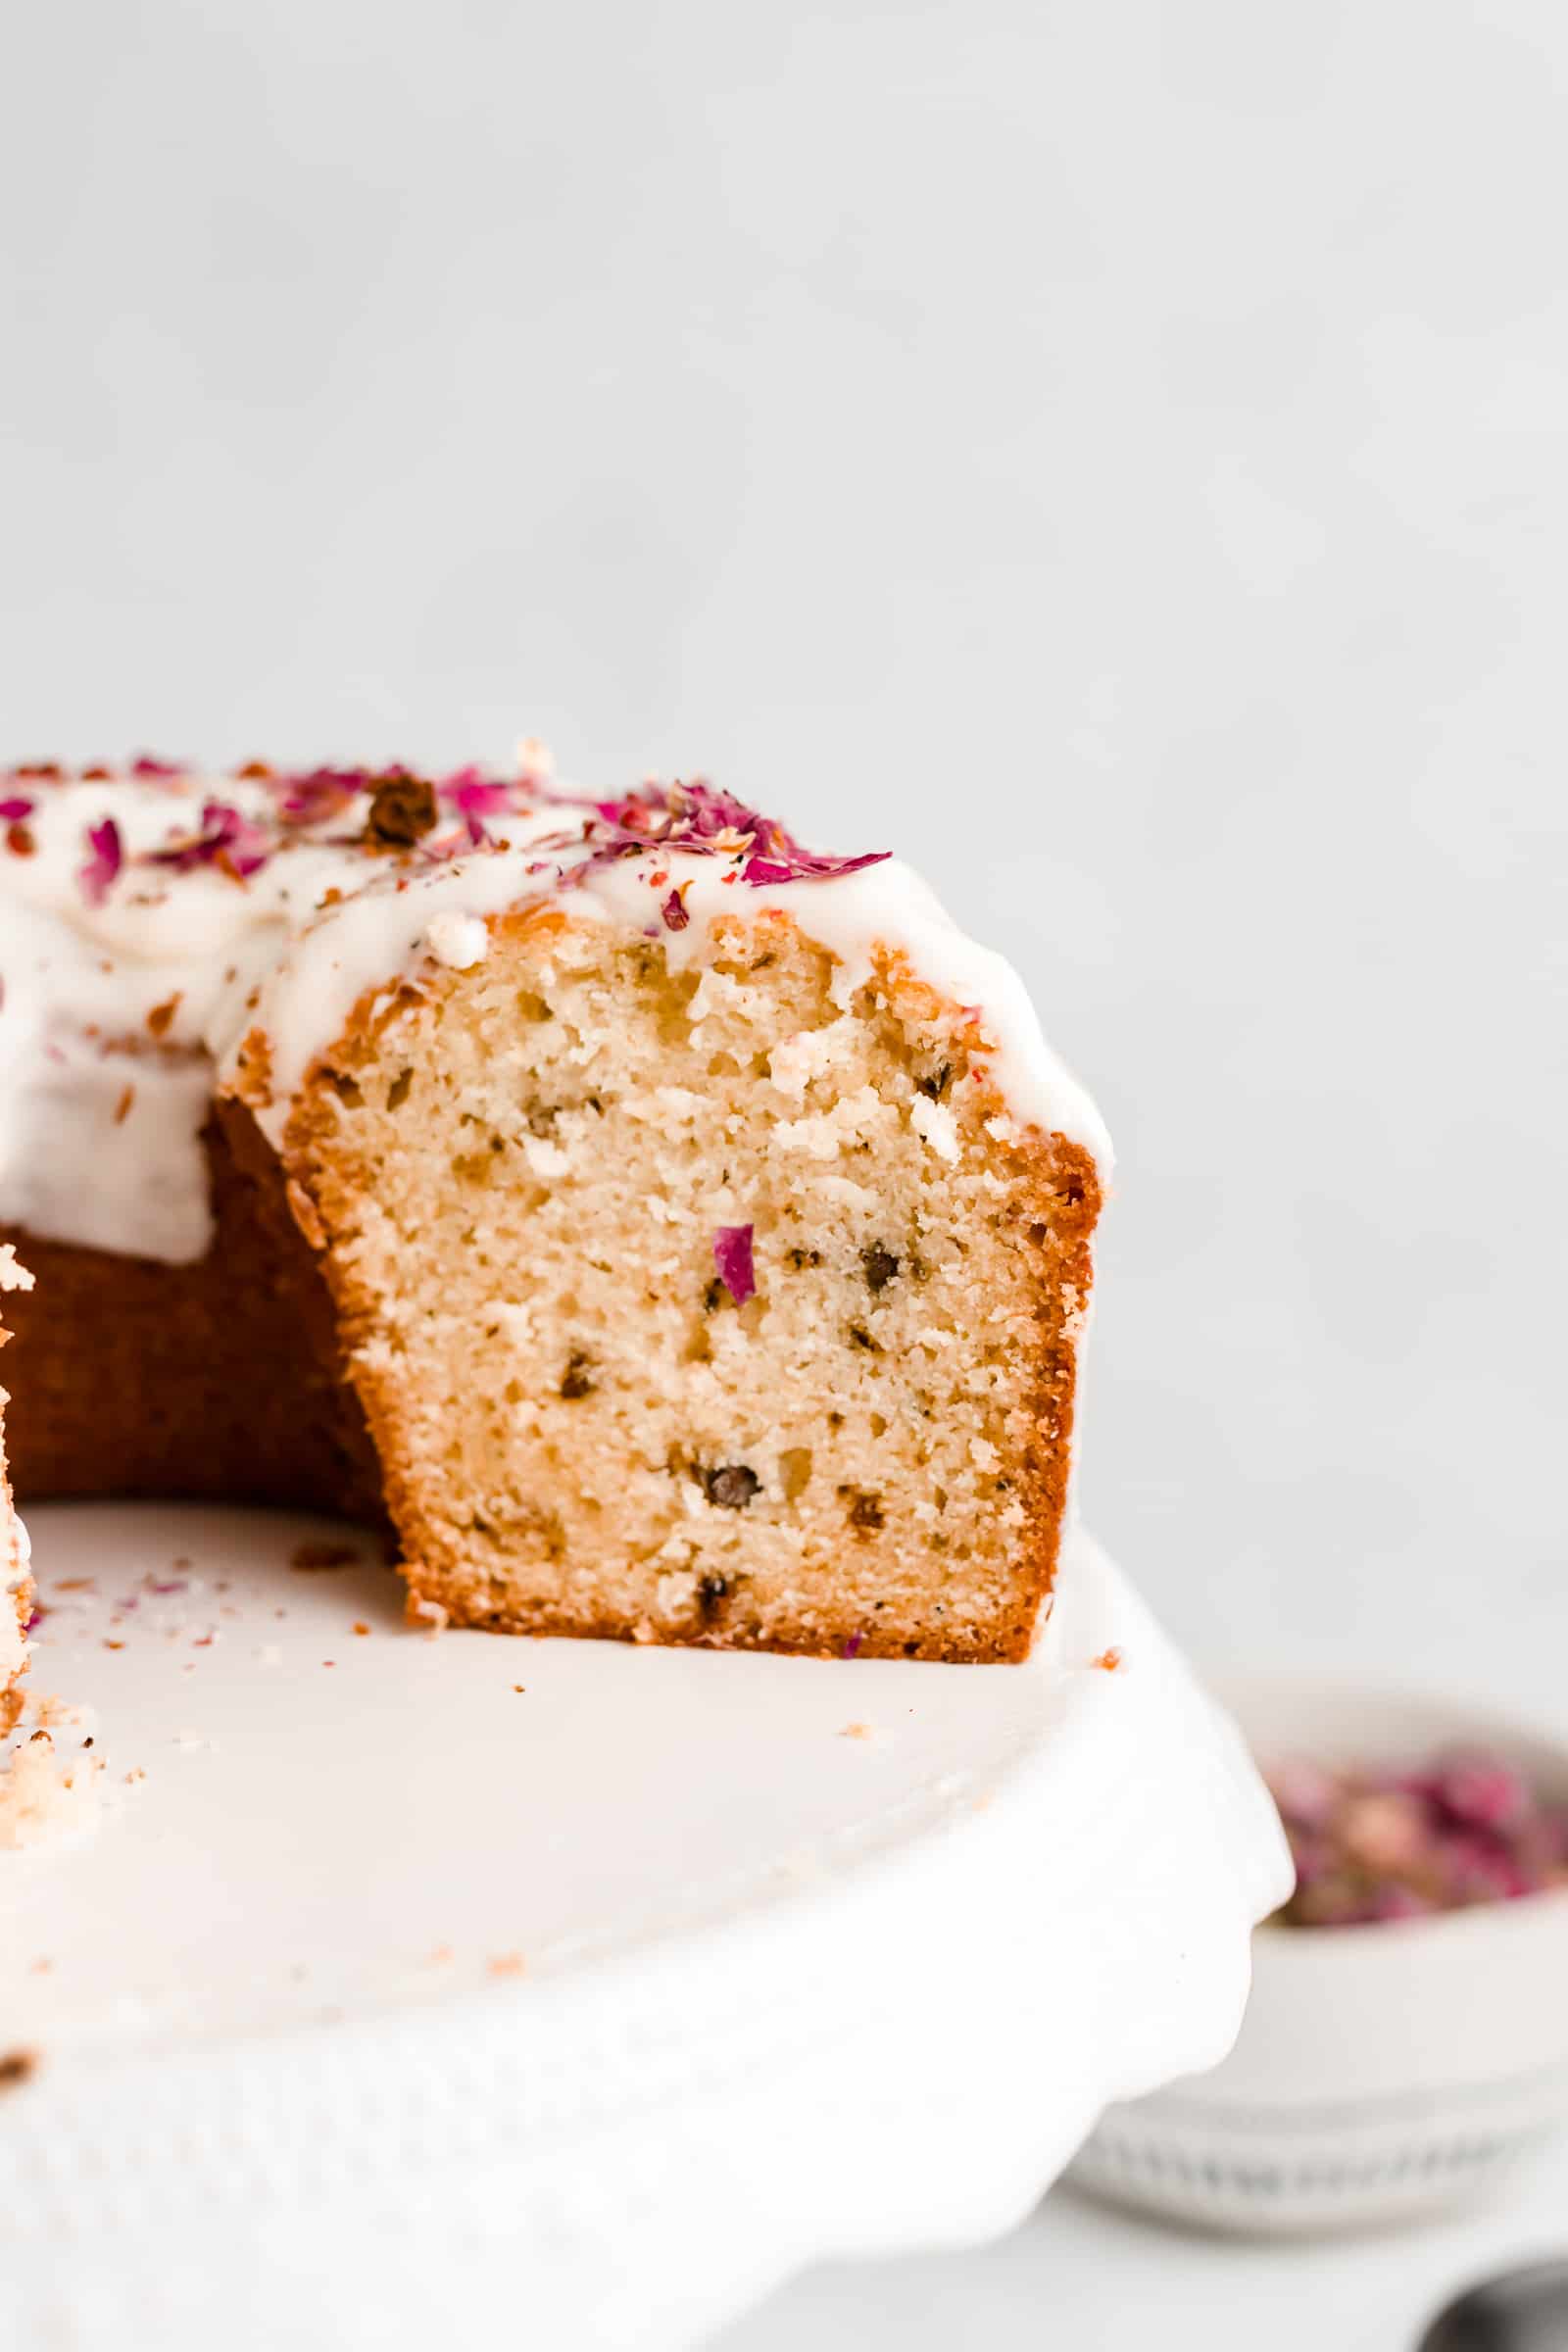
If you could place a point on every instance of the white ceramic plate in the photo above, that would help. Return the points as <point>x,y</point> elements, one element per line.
<point>387,1960</point>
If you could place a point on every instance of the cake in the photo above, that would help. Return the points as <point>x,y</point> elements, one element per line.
<point>668,1232</point>
<point>15,1584</point>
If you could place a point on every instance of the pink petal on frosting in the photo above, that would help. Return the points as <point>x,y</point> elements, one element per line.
<point>732,1255</point>
<point>228,838</point>
<point>15,810</point>
<point>108,857</point>
<point>475,794</point>
<point>676,918</point>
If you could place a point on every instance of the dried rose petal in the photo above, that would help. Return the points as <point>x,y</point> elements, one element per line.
<point>673,911</point>
<point>15,810</point>
<point>101,868</point>
<point>476,795</point>
<point>1481,1792</point>
<point>1398,1842</point>
<point>1474,1870</point>
<point>1384,1833</point>
<point>761,873</point>
<point>319,795</point>
<point>705,822</point>
<point>227,839</point>
<point>732,1255</point>
<point>1305,1792</point>
<point>1400,1902</point>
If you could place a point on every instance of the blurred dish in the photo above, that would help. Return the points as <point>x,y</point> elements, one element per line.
<point>1376,1842</point>
<point>1383,2070</point>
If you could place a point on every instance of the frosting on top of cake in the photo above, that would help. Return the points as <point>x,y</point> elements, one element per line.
<point>150,919</point>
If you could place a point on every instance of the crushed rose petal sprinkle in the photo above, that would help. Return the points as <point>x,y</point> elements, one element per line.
<point>108,855</point>
<point>1377,1845</point>
<point>695,819</point>
<point>225,835</point>
<point>732,1255</point>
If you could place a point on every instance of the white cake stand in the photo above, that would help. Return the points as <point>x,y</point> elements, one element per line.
<point>399,2003</point>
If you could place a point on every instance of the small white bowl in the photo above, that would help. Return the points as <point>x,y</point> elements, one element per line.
<point>1381,2072</point>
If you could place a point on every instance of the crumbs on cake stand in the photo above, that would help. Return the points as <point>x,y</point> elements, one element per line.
<point>53,1784</point>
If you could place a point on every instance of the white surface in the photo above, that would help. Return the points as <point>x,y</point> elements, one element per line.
<point>1118,455</point>
<point>1078,2278</point>
<point>787,1993</point>
<point>1379,2072</point>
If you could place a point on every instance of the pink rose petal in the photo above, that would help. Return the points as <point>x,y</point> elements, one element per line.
<point>101,868</point>
<point>732,1255</point>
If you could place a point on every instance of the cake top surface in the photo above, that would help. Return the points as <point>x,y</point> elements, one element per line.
<point>181,911</point>
<point>131,837</point>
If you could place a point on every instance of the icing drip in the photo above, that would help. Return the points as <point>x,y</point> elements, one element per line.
<point>151,921</point>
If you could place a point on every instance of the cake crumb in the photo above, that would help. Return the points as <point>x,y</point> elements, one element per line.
<point>936,1125</point>
<point>1108,1661</point>
<point>505,1964</point>
<point>16,2066</point>
<point>49,1791</point>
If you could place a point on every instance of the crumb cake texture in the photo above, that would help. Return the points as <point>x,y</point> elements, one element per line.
<point>673,1234</point>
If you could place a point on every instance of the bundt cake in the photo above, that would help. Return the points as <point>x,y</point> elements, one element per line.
<point>672,1233</point>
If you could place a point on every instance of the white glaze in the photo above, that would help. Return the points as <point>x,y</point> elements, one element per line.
<point>100,1120</point>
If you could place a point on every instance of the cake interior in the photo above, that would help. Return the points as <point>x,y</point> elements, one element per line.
<point>517,1174</point>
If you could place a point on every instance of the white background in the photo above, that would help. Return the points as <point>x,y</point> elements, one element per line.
<point>1116,454</point>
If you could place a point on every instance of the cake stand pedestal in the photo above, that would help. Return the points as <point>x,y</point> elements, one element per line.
<point>424,1987</point>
